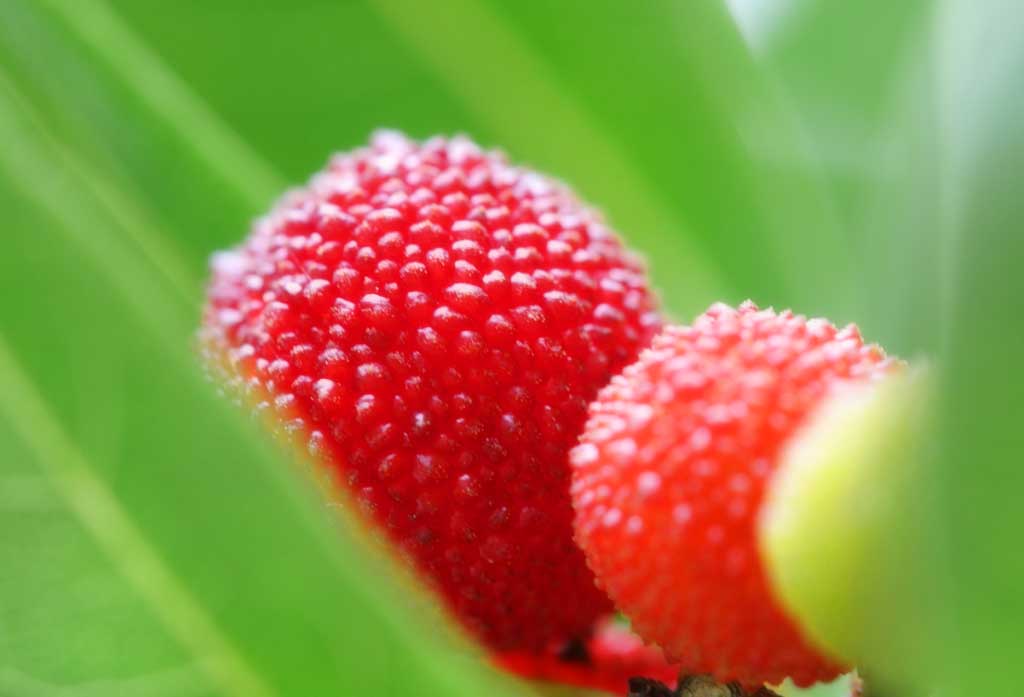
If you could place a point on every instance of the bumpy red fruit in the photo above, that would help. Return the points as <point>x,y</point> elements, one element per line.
<point>671,472</point>
<point>434,321</point>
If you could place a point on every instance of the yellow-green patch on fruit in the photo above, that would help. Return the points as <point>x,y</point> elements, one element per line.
<point>842,532</point>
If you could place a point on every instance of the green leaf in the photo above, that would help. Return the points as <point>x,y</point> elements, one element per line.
<point>164,547</point>
<point>861,79</point>
<point>979,470</point>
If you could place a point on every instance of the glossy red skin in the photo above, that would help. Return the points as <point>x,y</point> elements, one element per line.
<point>434,322</point>
<point>671,473</point>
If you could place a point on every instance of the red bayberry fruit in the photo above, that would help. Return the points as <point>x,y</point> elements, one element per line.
<point>671,471</point>
<point>435,321</point>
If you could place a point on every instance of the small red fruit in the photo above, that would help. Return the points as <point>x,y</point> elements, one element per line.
<point>671,471</point>
<point>434,321</point>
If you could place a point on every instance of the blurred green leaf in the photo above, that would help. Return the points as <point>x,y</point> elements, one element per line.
<point>163,93</point>
<point>861,81</point>
<point>839,688</point>
<point>124,143</point>
<point>980,472</point>
<point>164,549</point>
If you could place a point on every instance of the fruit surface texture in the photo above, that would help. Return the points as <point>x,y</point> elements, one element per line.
<point>671,473</point>
<point>432,322</point>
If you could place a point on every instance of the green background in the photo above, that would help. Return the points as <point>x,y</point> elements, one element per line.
<point>858,160</point>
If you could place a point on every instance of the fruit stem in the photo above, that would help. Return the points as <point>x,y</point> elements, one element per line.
<point>693,686</point>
